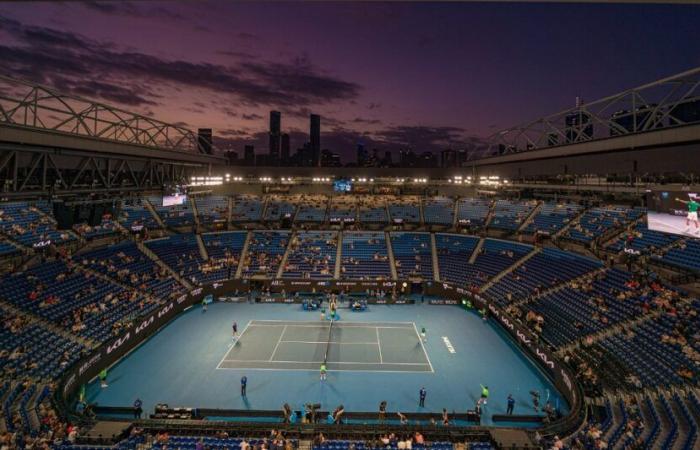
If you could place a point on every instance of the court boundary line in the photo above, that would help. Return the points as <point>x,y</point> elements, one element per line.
<point>231,347</point>
<point>379,347</point>
<point>250,323</point>
<point>331,342</point>
<point>425,352</point>
<point>319,362</point>
<point>272,356</point>
<point>325,326</point>
<point>329,370</point>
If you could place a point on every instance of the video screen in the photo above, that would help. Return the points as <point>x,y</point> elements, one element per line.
<point>342,186</point>
<point>674,212</point>
<point>173,200</point>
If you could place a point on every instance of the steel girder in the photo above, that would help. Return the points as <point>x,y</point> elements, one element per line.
<point>41,171</point>
<point>30,105</point>
<point>670,102</point>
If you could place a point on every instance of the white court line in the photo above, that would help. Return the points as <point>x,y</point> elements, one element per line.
<point>379,346</point>
<point>421,344</point>
<point>278,343</point>
<point>316,370</point>
<point>319,362</point>
<point>326,326</point>
<point>230,349</point>
<point>317,322</point>
<point>331,342</point>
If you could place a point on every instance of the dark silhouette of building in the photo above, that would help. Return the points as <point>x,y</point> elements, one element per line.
<point>329,159</point>
<point>387,161</point>
<point>204,140</point>
<point>448,158</point>
<point>231,158</point>
<point>285,148</point>
<point>361,155</point>
<point>249,155</point>
<point>315,139</point>
<point>275,137</point>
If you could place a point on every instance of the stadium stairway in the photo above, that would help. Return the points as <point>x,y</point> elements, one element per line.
<point>611,237</point>
<point>148,252</point>
<point>285,256</point>
<point>244,252</point>
<point>530,217</point>
<point>195,212</point>
<point>338,256</point>
<point>455,215</point>
<point>476,251</point>
<point>390,253</point>
<point>421,214</point>
<point>434,255</point>
<point>572,221</point>
<point>202,249</point>
<point>153,212</point>
<point>489,216</point>
<point>509,269</point>
<point>229,216</point>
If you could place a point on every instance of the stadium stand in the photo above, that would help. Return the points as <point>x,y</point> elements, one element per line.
<point>212,209</point>
<point>372,210</point>
<point>438,210</point>
<point>412,255</point>
<point>265,252</point>
<point>312,208</point>
<point>136,214</point>
<point>453,252</point>
<point>473,211</point>
<point>246,208</point>
<point>405,209</point>
<point>279,207</point>
<point>599,222</point>
<point>225,249</point>
<point>176,216</point>
<point>509,215</point>
<point>181,253</point>
<point>364,256</point>
<point>552,217</point>
<point>343,208</point>
<point>29,224</point>
<point>312,255</point>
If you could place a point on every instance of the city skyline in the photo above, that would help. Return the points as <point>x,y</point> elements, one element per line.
<point>400,75</point>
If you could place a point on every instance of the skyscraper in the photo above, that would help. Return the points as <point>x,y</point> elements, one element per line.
<point>275,126</point>
<point>285,148</point>
<point>315,140</point>
<point>249,155</point>
<point>361,155</point>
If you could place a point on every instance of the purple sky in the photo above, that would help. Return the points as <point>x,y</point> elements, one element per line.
<point>424,75</point>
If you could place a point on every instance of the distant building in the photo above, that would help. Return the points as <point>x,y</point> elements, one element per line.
<point>329,159</point>
<point>448,158</point>
<point>204,140</point>
<point>285,148</point>
<point>387,161</point>
<point>361,155</point>
<point>275,136</point>
<point>231,158</point>
<point>249,155</point>
<point>315,139</point>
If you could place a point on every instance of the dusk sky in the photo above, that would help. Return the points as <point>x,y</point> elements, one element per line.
<point>425,75</point>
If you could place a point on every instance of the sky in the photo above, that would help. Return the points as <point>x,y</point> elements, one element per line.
<point>425,76</point>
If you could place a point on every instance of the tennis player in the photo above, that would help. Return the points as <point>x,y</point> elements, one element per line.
<point>235,330</point>
<point>692,214</point>
<point>422,335</point>
<point>323,371</point>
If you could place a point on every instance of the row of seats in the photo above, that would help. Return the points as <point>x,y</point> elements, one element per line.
<point>31,223</point>
<point>412,255</point>
<point>552,217</point>
<point>312,255</point>
<point>365,256</point>
<point>509,215</point>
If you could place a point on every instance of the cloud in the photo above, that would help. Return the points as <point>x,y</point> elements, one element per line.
<point>133,10</point>
<point>40,53</point>
<point>251,116</point>
<point>360,120</point>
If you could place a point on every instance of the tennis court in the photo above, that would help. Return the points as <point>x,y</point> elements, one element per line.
<point>346,346</point>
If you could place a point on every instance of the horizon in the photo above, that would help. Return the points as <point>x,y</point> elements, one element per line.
<point>419,76</point>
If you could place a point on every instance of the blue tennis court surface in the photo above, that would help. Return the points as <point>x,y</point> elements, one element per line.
<point>192,362</point>
<point>346,346</point>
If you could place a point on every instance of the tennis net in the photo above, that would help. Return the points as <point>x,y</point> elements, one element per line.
<point>328,346</point>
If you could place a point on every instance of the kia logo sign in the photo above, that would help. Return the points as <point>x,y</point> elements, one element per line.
<point>196,292</point>
<point>142,326</point>
<point>543,357</point>
<point>118,343</point>
<point>165,310</point>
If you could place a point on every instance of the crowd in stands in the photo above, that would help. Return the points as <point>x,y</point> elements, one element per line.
<point>619,330</point>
